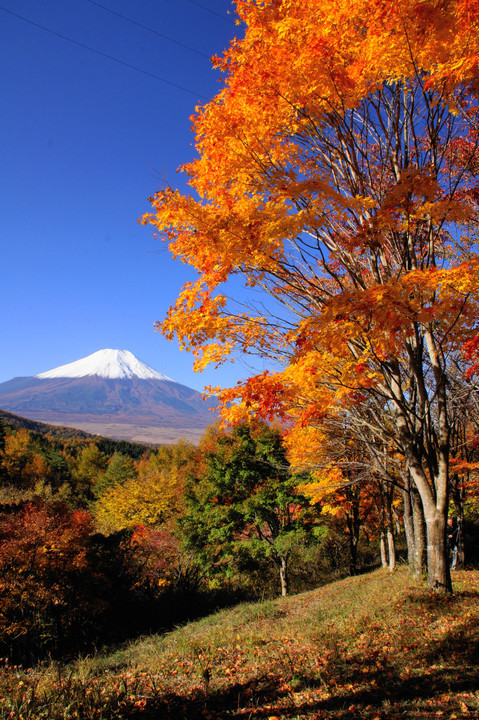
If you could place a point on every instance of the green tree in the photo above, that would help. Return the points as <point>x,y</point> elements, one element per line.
<point>87,469</point>
<point>120,469</point>
<point>243,503</point>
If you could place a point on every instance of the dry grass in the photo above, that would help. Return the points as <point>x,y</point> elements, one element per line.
<point>374,646</point>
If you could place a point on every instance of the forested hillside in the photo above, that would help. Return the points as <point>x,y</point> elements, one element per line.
<point>97,545</point>
<point>58,431</point>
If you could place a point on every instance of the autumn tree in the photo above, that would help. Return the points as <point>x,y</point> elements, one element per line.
<point>21,461</point>
<point>162,561</point>
<point>150,500</point>
<point>337,174</point>
<point>347,484</point>
<point>44,578</point>
<point>65,589</point>
<point>149,496</point>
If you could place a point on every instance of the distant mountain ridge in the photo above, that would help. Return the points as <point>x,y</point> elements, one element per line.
<point>111,393</point>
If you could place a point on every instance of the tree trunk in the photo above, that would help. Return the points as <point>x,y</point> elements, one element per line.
<point>283,575</point>
<point>353,524</point>
<point>382,550</point>
<point>435,514</point>
<point>409,526</point>
<point>460,541</point>
<point>353,555</point>
<point>390,531</point>
<point>419,531</point>
<point>426,448</point>
<point>391,549</point>
<point>457,492</point>
<point>439,576</point>
<point>397,519</point>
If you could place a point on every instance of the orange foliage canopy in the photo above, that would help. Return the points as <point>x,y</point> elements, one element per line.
<point>330,174</point>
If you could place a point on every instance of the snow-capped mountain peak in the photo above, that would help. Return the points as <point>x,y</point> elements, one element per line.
<point>111,364</point>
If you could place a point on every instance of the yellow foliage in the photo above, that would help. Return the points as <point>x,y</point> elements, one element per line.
<point>149,500</point>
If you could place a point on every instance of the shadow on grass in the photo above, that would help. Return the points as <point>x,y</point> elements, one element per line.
<point>450,667</point>
<point>391,698</point>
<point>230,702</point>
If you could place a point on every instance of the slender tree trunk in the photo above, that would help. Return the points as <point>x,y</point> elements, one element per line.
<point>353,559</point>
<point>283,575</point>
<point>460,540</point>
<point>458,498</point>
<point>382,550</point>
<point>419,530</point>
<point>397,519</point>
<point>391,549</point>
<point>390,530</point>
<point>409,525</point>
<point>353,525</point>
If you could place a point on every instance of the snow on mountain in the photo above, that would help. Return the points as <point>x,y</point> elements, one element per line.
<point>111,364</point>
<point>111,393</point>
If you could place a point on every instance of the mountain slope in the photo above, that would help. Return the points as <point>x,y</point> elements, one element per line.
<point>111,393</point>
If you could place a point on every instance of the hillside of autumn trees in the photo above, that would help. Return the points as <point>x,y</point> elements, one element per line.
<point>337,178</point>
<point>76,569</point>
<point>97,545</point>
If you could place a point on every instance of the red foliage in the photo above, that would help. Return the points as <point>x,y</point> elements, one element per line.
<point>43,567</point>
<point>471,353</point>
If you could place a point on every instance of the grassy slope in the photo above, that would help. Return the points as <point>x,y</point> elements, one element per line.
<point>374,646</point>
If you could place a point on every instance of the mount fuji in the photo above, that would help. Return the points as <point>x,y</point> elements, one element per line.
<point>111,393</point>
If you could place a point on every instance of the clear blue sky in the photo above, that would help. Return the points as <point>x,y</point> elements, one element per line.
<point>85,141</point>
